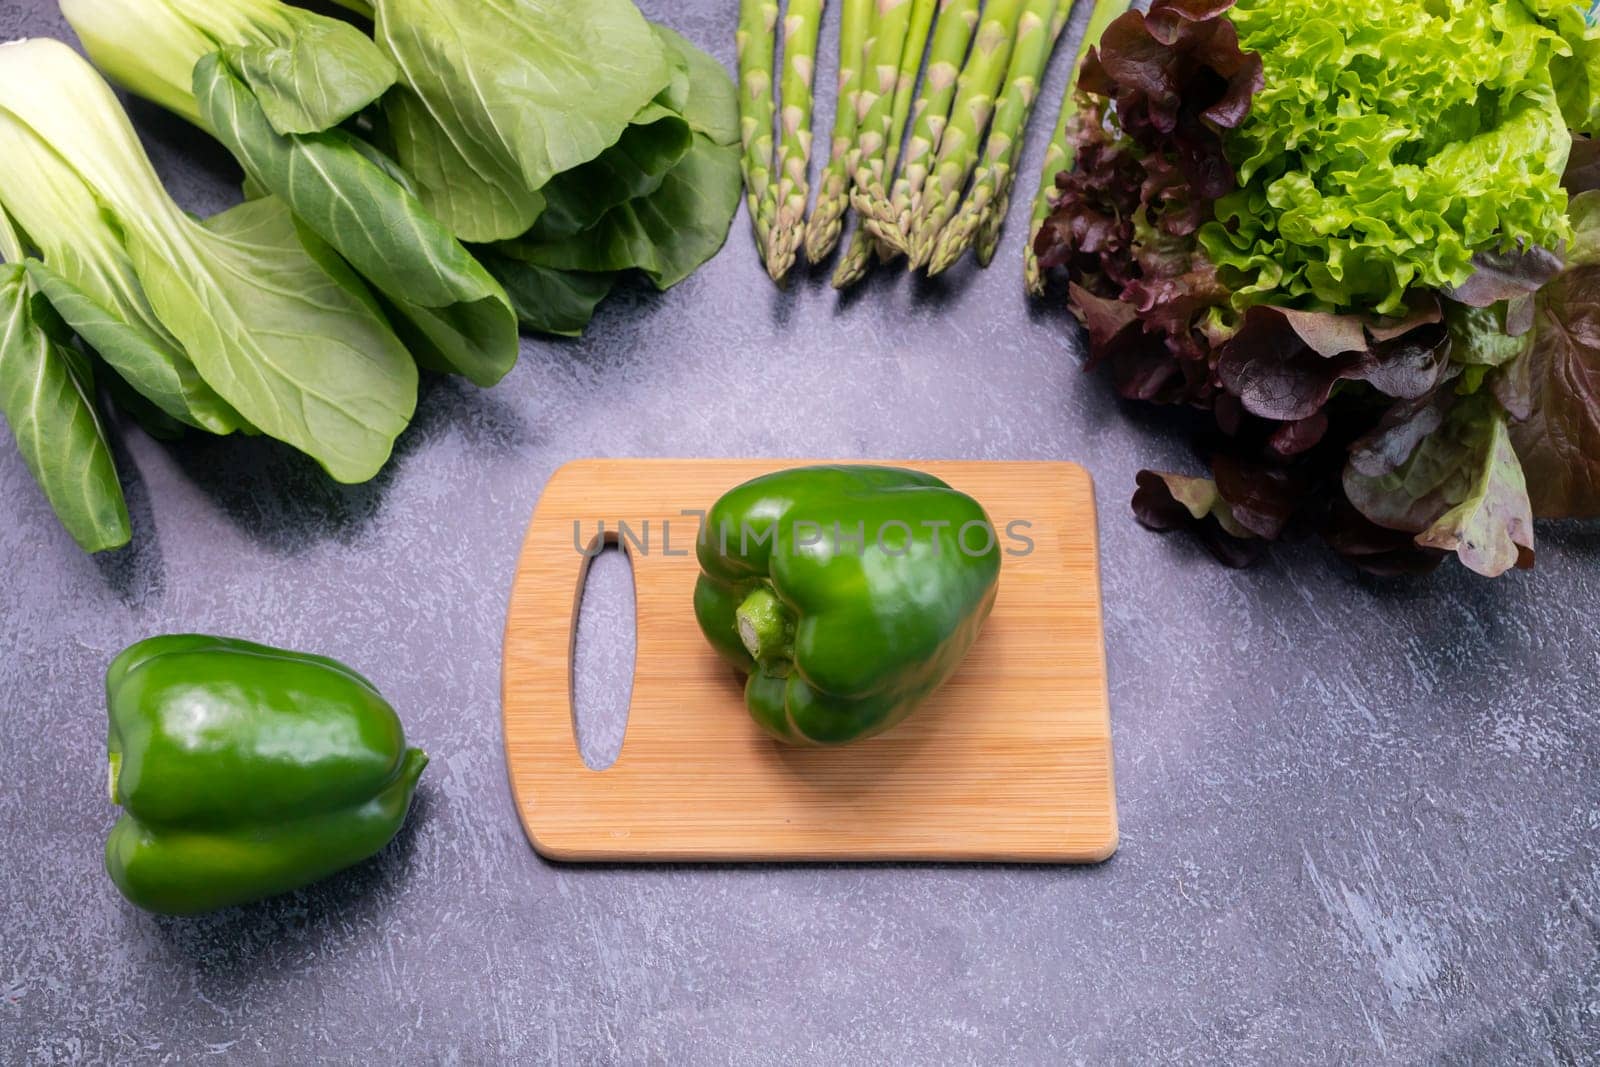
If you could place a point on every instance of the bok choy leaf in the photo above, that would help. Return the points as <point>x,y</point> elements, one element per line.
<point>48,405</point>
<point>593,140</point>
<point>461,316</point>
<point>495,100</point>
<point>309,72</point>
<point>286,336</point>
<point>272,83</point>
<point>623,211</point>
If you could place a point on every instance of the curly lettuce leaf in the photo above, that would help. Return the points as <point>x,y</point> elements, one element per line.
<point>1176,75</point>
<point>1491,528</point>
<point>1284,364</point>
<point>1165,502</point>
<point>1577,73</point>
<point>1145,134</point>
<point>1389,144</point>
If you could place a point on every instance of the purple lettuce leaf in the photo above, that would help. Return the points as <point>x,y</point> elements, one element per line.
<point>1554,385</point>
<point>1284,364</point>
<point>1165,502</point>
<point>1446,472</point>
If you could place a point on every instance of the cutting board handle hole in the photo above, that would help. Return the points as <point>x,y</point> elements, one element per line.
<point>603,647</point>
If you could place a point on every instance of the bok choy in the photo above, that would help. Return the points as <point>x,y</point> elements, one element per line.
<point>245,321</point>
<point>574,137</point>
<point>45,393</point>
<point>273,83</point>
<point>567,141</point>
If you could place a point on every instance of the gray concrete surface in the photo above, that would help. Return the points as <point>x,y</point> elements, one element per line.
<point>1359,818</point>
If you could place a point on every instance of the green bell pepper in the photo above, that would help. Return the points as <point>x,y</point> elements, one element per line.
<point>847,594</point>
<point>245,771</point>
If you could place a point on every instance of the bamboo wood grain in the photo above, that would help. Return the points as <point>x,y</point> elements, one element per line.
<point>1009,761</point>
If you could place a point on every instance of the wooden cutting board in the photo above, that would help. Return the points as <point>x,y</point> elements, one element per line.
<point>1010,760</point>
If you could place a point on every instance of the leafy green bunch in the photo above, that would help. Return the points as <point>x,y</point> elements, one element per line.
<point>567,143</point>
<point>1388,145</point>
<point>1364,237</point>
<point>242,322</point>
<point>412,196</point>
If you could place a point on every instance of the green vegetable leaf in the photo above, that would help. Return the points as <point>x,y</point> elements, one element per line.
<point>298,350</point>
<point>607,193</point>
<point>1478,336</point>
<point>495,100</point>
<point>1167,501</point>
<point>1577,76</point>
<point>548,300</point>
<point>310,72</point>
<point>635,166</point>
<point>458,314</point>
<point>667,234</point>
<point>675,97</point>
<point>711,105</point>
<point>1454,480</point>
<point>1491,529</point>
<point>53,420</point>
<point>85,274</point>
<point>270,317</point>
<point>475,193</point>
<point>126,334</point>
<point>1388,145</point>
<point>290,340</point>
<point>1584,250</point>
<point>314,76</point>
<point>151,419</point>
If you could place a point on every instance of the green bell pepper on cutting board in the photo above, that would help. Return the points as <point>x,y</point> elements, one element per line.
<point>245,771</point>
<point>847,594</point>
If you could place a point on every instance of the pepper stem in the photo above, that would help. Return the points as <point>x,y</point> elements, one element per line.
<point>765,625</point>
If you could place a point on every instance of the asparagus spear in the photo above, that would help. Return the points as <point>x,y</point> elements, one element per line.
<point>952,34</point>
<point>852,266</point>
<point>1030,52</point>
<point>969,116</point>
<point>869,236</point>
<point>871,194</point>
<point>880,81</point>
<point>988,239</point>
<point>858,254</point>
<point>757,42</point>
<point>833,188</point>
<point>801,25</point>
<point>865,241</point>
<point>1058,156</point>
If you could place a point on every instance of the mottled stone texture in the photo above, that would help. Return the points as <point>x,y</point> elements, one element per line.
<point>1359,818</point>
